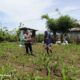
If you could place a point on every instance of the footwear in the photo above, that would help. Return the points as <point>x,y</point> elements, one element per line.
<point>26,54</point>
<point>50,51</point>
<point>32,54</point>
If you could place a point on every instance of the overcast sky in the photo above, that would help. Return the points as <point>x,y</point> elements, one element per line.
<point>12,12</point>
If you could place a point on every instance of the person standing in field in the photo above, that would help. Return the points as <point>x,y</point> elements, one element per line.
<point>28,42</point>
<point>47,42</point>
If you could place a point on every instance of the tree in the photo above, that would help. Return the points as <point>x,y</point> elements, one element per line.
<point>64,24</point>
<point>51,25</point>
<point>45,17</point>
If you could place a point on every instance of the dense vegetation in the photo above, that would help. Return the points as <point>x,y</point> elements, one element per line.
<point>62,64</point>
<point>6,35</point>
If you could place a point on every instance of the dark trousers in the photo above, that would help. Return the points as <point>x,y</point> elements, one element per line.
<point>28,47</point>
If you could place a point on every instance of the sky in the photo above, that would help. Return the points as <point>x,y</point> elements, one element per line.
<point>29,12</point>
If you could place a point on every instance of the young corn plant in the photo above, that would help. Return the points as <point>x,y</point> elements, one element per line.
<point>32,77</point>
<point>73,72</point>
<point>7,72</point>
<point>64,70</point>
<point>43,63</point>
<point>64,73</point>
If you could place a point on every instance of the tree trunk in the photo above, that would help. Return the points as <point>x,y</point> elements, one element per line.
<point>54,39</point>
<point>62,35</point>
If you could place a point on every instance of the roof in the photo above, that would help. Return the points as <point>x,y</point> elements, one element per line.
<point>26,28</point>
<point>74,29</point>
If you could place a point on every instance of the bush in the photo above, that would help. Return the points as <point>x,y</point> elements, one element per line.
<point>40,37</point>
<point>6,36</point>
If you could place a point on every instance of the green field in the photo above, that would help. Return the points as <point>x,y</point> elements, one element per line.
<point>62,64</point>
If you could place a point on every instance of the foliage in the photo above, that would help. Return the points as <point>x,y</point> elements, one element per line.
<point>6,35</point>
<point>45,16</point>
<point>65,23</point>
<point>39,37</point>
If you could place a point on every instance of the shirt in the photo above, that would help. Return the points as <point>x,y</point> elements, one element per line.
<point>27,37</point>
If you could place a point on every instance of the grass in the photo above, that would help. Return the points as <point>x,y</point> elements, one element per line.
<point>62,64</point>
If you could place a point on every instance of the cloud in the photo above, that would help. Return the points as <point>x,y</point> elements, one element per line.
<point>29,11</point>
<point>72,11</point>
<point>69,9</point>
<point>24,10</point>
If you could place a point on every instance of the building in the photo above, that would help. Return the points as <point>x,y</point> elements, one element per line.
<point>33,33</point>
<point>74,35</point>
